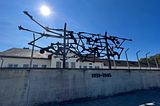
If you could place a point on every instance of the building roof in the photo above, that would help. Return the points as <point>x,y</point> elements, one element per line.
<point>24,53</point>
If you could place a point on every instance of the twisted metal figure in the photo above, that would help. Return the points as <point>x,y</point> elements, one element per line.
<point>86,46</point>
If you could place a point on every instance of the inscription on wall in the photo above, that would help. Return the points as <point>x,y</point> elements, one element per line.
<point>98,75</point>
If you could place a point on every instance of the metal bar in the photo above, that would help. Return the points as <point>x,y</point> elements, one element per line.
<point>36,46</point>
<point>31,17</point>
<point>127,58</point>
<point>88,33</point>
<point>138,59</point>
<point>114,58</point>
<point>35,40</point>
<point>147,60</point>
<point>156,62</point>
<point>21,28</point>
<point>64,46</point>
<point>114,62</point>
<point>122,38</point>
<point>47,35</point>
<point>121,43</point>
<point>109,62</point>
<point>32,50</point>
<point>67,42</point>
<point>62,30</point>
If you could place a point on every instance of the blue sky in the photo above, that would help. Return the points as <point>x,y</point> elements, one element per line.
<point>138,20</point>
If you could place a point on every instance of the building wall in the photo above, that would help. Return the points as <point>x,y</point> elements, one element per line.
<point>52,63</point>
<point>33,87</point>
<point>54,60</point>
<point>99,64</point>
<point>21,61</point>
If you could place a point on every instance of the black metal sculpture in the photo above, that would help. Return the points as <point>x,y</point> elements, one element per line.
<point>86,46</point>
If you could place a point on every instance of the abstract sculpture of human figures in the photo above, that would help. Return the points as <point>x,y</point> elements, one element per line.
<point>82,44</point>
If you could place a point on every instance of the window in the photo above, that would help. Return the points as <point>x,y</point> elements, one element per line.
<point>85,66</point>
<point>12,65</point>
<point>25,65</point>
<point>44,66</point>
<point>72,64</point>
<point>90,63</point>
<point>90,67</point>
<point>97,67</point>
<point>15,65</point>
<point>58,64</point>
<point>35,65</point>
<point>67,65</point>
<point>79,66</point>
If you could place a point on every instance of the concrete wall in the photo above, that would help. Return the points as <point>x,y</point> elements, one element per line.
<point>13,87</point>
<point>48,85</point>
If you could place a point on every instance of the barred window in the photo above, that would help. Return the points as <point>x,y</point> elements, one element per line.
<point>85,66</point>
<point>58,64</point>
<point>97,67</point>
<point>73,64</point>
<point>44,66</point>
<point>12,65</point>
<point>90,67</point>
<point>25,65</point>
<point>15,65</point>
<point>35,65</point>
<point>67,65</point>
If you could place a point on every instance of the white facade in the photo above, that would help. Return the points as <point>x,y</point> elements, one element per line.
<point>21,62</point>
<point>56,59</point>
<point>40,63</point>
<point>91,65</point>
<point>50,63</point>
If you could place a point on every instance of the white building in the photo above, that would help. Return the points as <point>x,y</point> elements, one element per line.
<point>16,57</point>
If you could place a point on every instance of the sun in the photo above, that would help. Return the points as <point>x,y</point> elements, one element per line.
<point>45,10</point>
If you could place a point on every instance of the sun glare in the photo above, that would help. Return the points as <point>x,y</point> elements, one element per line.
<point>45,10</point>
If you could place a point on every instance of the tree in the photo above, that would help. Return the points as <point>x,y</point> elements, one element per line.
<point>151,59</point>
<point>143,60</point>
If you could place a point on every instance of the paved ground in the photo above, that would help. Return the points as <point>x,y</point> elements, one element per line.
<point>137,98</point>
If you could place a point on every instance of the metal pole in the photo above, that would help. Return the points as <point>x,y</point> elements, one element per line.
<point>64,46</point>
<point>156,62</point>
<point>147,60</point>
<point>114,59</point>
<point>109,63</point>
<point>67,43</point>
<point>114,62</point>
<point>127,58</point>
<point>32,50</point>
<point>138,59</point>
